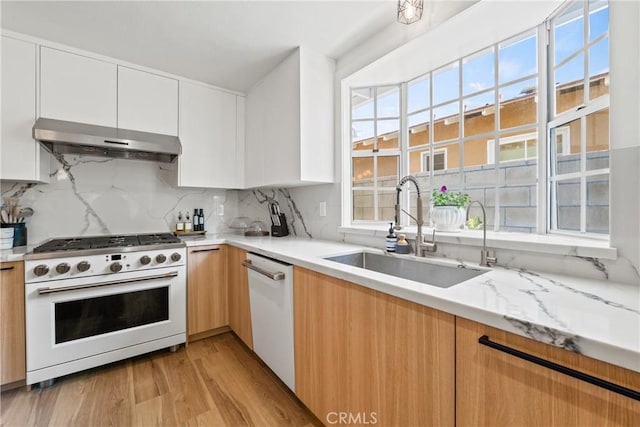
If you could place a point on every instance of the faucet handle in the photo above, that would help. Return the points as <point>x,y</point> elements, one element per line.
<point>488,258</point>
<point>429,246</point>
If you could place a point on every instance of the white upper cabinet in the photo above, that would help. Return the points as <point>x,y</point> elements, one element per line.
<point>77,88</point>
<point>241,106</point>
<point>147,102</point>
<point>289,128</point>
<point>208,132</point>
<point>22,158</point>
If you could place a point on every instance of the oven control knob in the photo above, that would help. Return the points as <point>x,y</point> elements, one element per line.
<point>175,257</point>
<point>115,267</point>
<point>40,270</point>
<point>161,258</point>
<point>62,268</point>
<point>144,260</point>
<point>83,266</point>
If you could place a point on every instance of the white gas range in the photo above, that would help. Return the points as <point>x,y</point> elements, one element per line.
<point>96,300</point>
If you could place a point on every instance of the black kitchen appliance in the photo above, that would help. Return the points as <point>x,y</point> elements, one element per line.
<point>279,226</point>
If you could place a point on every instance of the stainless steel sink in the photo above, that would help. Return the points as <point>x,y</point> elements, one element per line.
<point>443,276</point>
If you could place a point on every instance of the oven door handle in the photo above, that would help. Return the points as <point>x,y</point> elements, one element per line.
<point>42,291</point>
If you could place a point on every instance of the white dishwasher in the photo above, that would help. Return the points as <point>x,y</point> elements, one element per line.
<point>271,299</point>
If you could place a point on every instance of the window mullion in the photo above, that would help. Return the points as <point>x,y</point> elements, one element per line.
<point>496,136</point>
<point>583,177</point>
<point>544,148</point>
<point>460,127</point>
<point>585,47</point>
<point>403,168</point>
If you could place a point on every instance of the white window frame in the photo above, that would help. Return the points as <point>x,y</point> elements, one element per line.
<point>546,107</point>
<point>375,153</point>
<point>491,150</point>
<point>425,159</point>
<point>559,122</point>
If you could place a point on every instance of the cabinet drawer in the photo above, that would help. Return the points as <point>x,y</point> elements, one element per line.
<point>496,387</point>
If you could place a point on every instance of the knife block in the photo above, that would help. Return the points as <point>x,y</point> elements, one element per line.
<point>282,229</point>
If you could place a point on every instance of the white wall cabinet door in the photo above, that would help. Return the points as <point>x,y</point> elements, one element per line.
<point>77,89</point>
<point>21,155</point>
<point>241,106</point>
<point>208,136</point>
<point>147,102</point>
<point>255,152</point>
<point>289,138</point>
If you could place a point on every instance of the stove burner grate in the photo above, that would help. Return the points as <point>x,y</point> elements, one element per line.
<point>100,242</point>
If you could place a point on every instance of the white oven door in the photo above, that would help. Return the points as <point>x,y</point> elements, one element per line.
<point>68,320</point>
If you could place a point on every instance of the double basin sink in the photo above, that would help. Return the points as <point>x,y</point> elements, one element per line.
<point>442,276</point>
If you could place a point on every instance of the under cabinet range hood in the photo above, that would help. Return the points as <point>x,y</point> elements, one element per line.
<point>63,137</point>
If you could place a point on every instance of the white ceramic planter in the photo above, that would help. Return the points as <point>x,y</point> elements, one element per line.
<point>447,218</point>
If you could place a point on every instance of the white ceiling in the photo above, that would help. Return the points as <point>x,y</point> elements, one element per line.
<point>225,43</point>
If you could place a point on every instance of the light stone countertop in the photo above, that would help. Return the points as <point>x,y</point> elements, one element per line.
<point>596,318</point>
<point>14,254</point>
<point>599,319</point>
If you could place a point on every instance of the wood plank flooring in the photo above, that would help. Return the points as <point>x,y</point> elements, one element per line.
<point>214,382</point>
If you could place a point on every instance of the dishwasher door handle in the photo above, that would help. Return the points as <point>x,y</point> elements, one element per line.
<point>279,275</point>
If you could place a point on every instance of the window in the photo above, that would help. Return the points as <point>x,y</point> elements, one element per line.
<point>579,124</point>
<point>476,125</point>
<point>519,147</point>
<point>375,148</point>
<point>439,160</point>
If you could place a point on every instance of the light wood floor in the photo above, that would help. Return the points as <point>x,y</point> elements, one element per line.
<point>215,381</point>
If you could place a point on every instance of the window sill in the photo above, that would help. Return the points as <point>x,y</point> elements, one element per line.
<point>537,243</point>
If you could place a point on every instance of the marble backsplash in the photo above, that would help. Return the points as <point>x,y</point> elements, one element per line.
<point>97,196</point>
<point>301,205</point>
<point>254,204</point>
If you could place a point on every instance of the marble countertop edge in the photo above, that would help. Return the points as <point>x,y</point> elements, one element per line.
<point>538,306</point>
<point>615,350</point>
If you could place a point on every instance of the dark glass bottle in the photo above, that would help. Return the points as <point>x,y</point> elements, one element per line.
<point>196,220</point>
<point>201,216</point>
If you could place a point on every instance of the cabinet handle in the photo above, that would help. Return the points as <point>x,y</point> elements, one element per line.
<point>279,275</point>
<point>484,340</point>
<point>205,250</point>
<point>116,142</point>
<point>6,268</point>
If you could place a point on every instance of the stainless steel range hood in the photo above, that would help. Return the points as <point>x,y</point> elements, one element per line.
<point>63,137</point>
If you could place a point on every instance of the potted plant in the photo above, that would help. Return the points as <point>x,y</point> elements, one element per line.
<point>448,209</point>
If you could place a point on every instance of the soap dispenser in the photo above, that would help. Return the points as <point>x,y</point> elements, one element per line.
<point>391,239</point>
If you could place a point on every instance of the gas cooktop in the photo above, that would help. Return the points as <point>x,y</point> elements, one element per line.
<point>102,242</point>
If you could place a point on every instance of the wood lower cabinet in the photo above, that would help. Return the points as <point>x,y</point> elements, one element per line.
<point>206,289</point>
<point>12,326</point>
<point>494,388</point>
<point>239,306</point>
<point>369,358</point>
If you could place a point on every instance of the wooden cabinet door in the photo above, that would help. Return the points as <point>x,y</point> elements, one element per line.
<point>12,326</point>
<point>147,102</point>
<point>76,88</point>
<point>379,359</point>
<point>239,305</point>
<point>494,388</point>
<point>208,136</point>
<point>206,289</point>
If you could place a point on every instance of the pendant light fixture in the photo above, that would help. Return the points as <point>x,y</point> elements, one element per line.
<point>409,11</point>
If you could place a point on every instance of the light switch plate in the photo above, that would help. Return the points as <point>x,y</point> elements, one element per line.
<point>323,209</point>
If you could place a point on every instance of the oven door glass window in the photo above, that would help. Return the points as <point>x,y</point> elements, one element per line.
<point>95,316</point>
